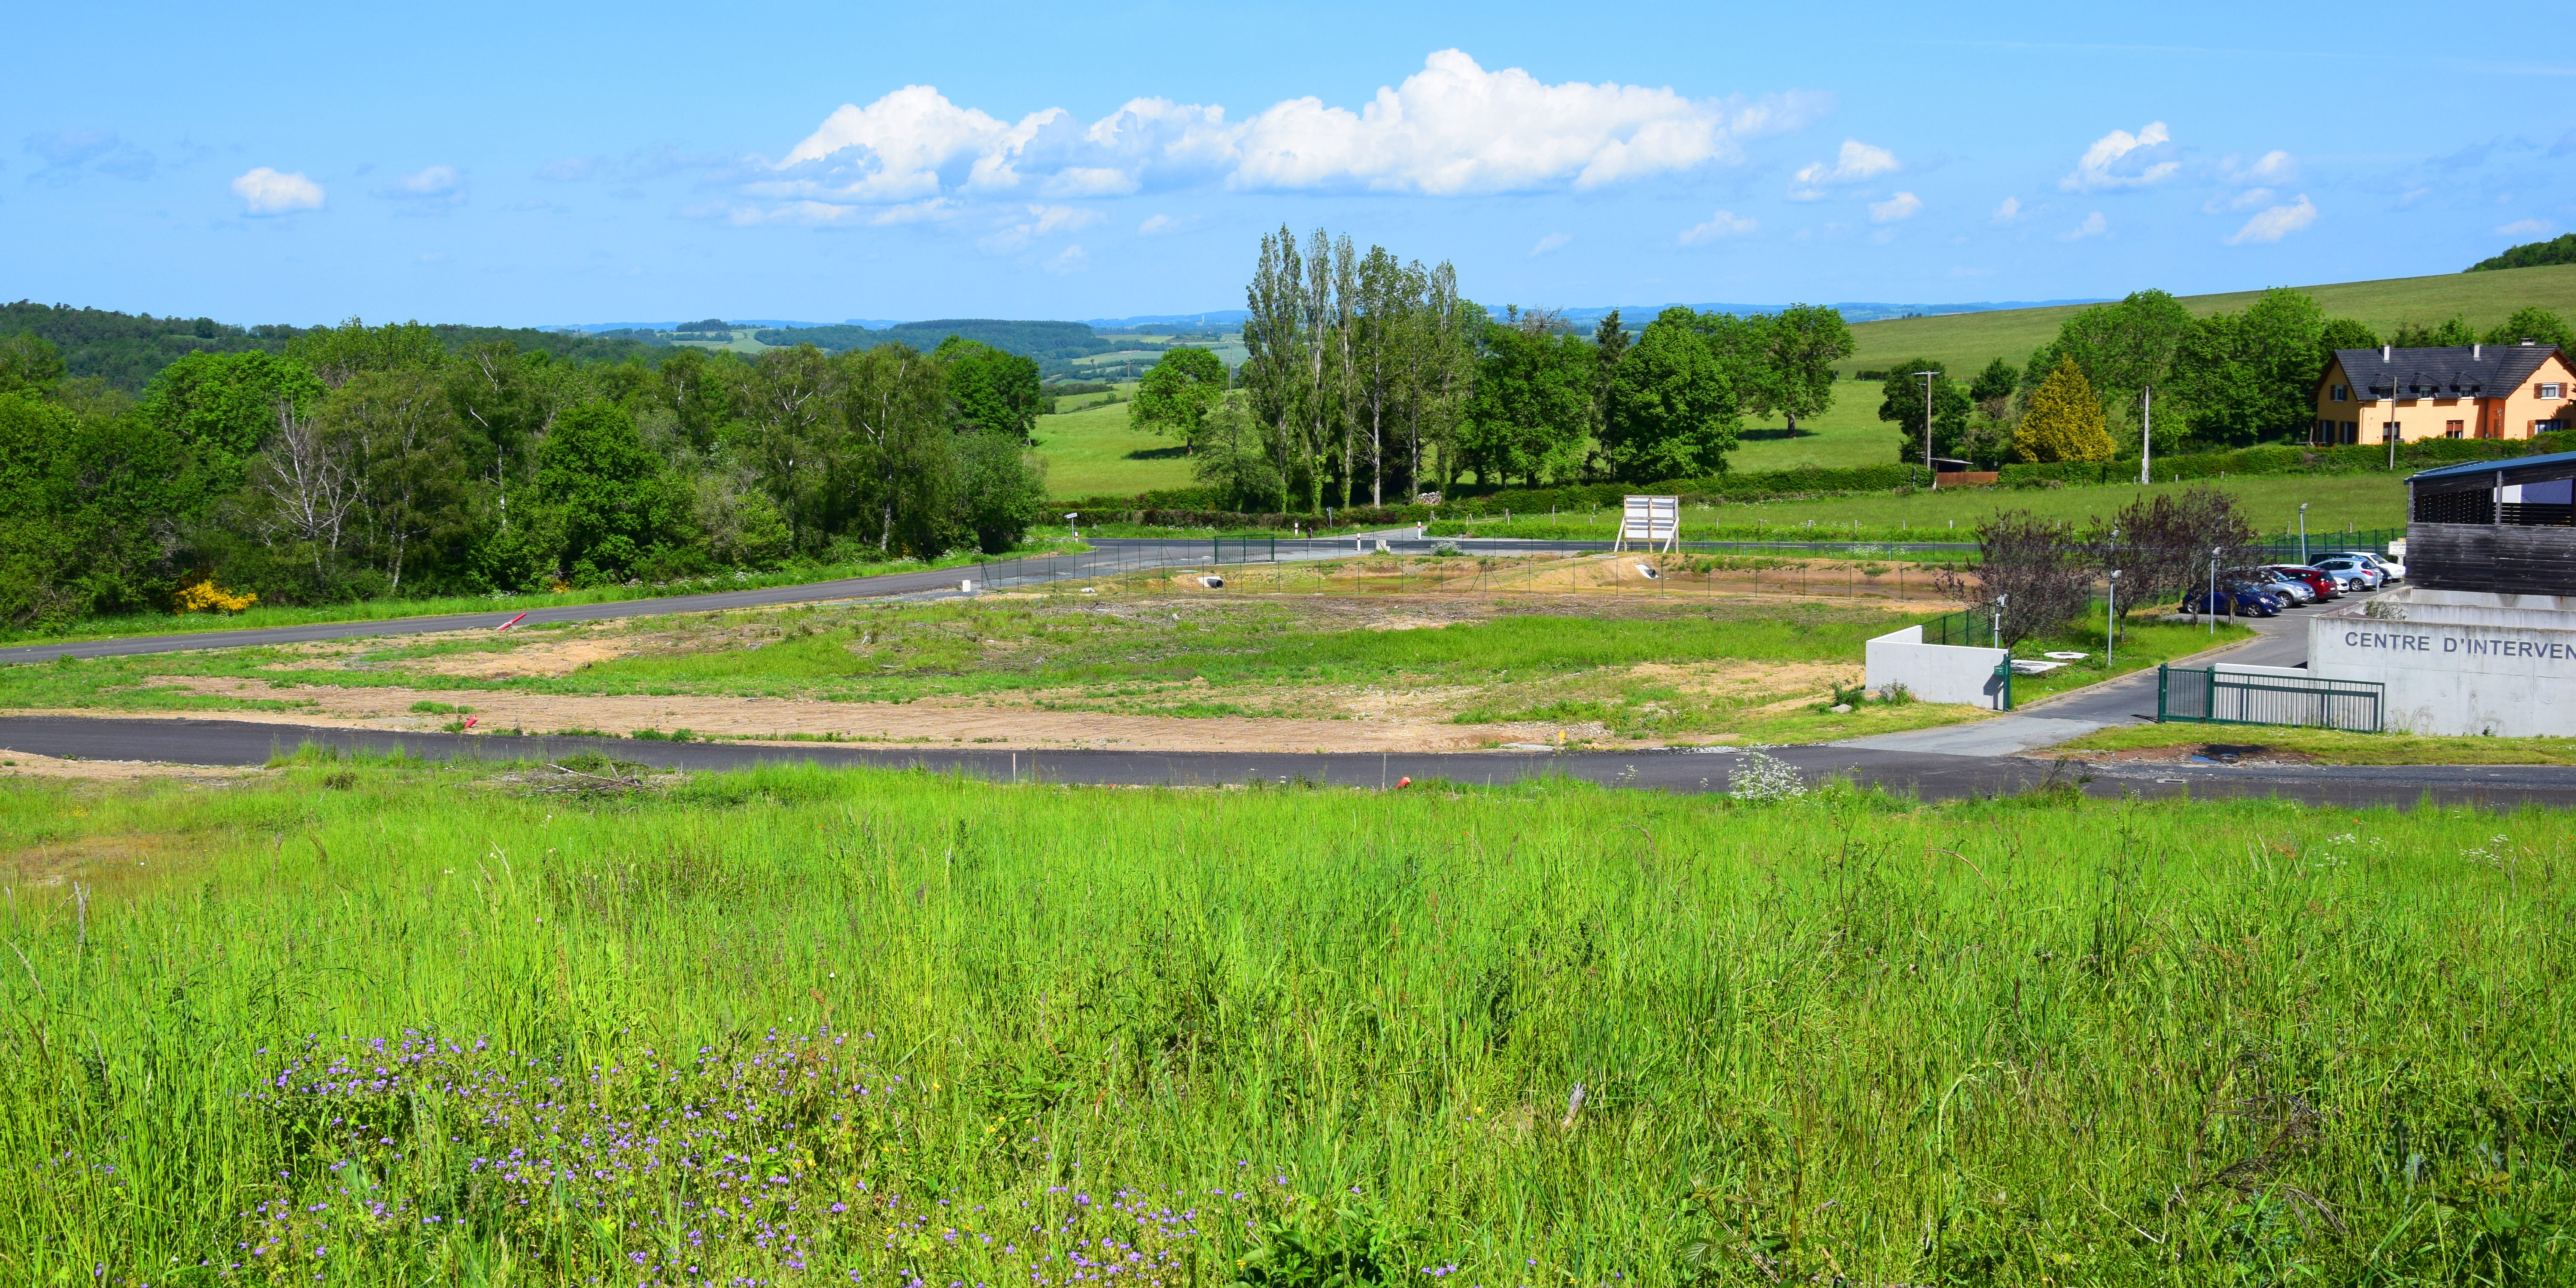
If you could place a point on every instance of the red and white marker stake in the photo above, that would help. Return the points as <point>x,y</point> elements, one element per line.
<point>510,623</point>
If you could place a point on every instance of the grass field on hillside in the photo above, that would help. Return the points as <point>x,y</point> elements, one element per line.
<point>392,1024</point>
<point>2363,501</point>
<point>1967,341</point>
<point>1092,452</point>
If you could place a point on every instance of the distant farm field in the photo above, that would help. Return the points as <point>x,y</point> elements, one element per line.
<point>389,1024</point>
<point>1969,340</point>
<point>1092,452</point>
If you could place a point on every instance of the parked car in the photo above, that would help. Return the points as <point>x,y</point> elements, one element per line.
<point>2353,573</point>
<point>2317,581</point>
<point>2281,583</point>
<point>2290,593</point>
<point>2388,564</point>
<point>2233,600</point>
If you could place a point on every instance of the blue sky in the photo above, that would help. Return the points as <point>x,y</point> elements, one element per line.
<point>522,165</point>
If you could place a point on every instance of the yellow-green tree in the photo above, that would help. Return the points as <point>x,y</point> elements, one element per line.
<point>2064,421</point>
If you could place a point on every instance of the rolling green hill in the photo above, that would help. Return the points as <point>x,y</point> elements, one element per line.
<point>1968,340</point>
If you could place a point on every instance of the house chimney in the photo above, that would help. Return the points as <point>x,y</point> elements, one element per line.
<point>2476,351</point>
<point>2388,353</point>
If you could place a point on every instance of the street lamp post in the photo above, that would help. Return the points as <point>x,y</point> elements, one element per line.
<point>2111,624</point>
<point>2147,435</point>
<point>2303,532</point>
<point>2211,603</point>
<point>1928,473</point>
<point>1070,525</point>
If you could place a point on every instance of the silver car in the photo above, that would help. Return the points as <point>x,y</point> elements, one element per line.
<point>2388,566</point>
<point>2350,573</point>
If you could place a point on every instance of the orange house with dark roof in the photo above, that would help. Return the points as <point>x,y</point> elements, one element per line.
<point>2464,391</point>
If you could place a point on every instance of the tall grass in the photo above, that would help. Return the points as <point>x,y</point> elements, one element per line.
<point>1271,1036</point>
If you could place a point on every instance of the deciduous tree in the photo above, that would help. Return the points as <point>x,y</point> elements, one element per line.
<point>1671,408</point>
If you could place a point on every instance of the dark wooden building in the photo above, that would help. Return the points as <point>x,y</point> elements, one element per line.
<point>2505,527</point>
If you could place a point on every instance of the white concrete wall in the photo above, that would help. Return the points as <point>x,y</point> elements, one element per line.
<point>1935,672</point>
<point>2456,677</point>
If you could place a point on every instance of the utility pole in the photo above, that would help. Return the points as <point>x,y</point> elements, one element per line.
<point>1928,472</point>
<point>2147,435</point>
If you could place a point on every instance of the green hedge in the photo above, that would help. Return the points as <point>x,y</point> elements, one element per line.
<point>2359,458</point>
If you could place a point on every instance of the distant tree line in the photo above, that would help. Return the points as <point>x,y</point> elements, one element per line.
<point>362,461</point>
<point>1369,378</point>
<point>2231,379</point>
<point>2557,250</point>
<point>123,351</point>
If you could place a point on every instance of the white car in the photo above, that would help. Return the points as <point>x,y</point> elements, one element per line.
<point>2350,573</point>
<point>2388,564</point>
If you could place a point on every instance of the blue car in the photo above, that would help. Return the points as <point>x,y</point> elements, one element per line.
<point>2236,600</point>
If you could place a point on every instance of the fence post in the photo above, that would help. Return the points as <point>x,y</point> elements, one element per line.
<point>2161,674</point>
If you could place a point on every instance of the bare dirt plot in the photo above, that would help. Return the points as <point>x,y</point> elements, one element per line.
<point>1390,727</point>
<point>20,764</point>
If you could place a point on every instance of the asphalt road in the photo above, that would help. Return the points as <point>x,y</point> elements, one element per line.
<point>1108,557</point>
<point>1932,776</point>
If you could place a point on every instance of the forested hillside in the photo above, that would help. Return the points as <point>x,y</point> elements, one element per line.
<point>1050,343</point>
<point>126,350</point>
<point>334,463</point>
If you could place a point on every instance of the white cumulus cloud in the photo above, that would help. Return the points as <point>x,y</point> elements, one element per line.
<point>1858,162</point>
<point>2093,226</point>
<point>1451,128</point>
<point>431,183</point>
<point>2120,159</point>
<point>1904,205</point>
<point>266,192</point>
<point>1722,224</point>
<point>2009,211</point>
<point>2275,223</point>
<point>2274,166</point>
<point>2246,200</point>
<point>2523,228</point>
<point>1070,259</point>
<point>1041,221</point>
<point>1550,242</point>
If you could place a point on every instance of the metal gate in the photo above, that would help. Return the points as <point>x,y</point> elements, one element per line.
<point>2213,696</point>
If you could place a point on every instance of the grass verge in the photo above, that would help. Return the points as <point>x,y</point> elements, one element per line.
<point>390,1023</point>
<point>2328,746</point>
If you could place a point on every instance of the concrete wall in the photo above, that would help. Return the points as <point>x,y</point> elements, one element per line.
<point>1936,672</point>
<point>2454,667</point>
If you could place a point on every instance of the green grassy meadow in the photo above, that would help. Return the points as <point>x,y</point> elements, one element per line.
<point>2363,501</point>
<point>1092,452</point>
<point>1967,341</point>
<point>388,1023</point>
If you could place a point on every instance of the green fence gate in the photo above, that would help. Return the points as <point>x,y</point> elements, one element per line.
<point>2213,696</point>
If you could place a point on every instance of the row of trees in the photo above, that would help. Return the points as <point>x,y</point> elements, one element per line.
<point>1367,373</point>
<point>2045,570</point>
<point>2230,379</point>
<point>380,461</point>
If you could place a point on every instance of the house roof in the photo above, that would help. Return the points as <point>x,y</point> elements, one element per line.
<point>2475,475</point>
<point>2461,371</point>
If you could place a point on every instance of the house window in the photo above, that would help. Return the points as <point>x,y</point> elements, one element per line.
<point>2553,390</point>
<point>2352,431</point>
<point>2388,431</point>
<point>2339,393</point>
<point>2455,429</point>
<point>2548,426</point>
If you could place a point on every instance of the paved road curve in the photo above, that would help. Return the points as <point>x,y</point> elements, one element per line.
<point>1933,776</point>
